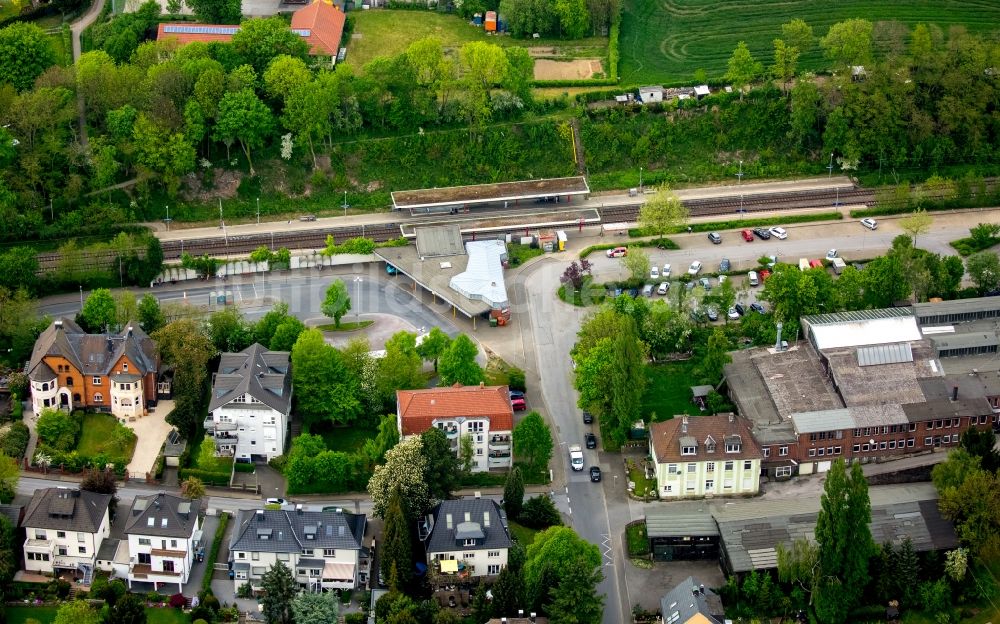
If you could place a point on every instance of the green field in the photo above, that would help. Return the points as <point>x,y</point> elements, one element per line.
<point>389,32</point>
<point>668,41</point>
<point>668,390</point>
<point>95,437</point>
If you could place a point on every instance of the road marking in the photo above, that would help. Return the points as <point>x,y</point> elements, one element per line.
<point>606,542</point>
<point>569,511</point>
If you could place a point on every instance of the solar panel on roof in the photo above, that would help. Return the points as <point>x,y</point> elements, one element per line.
<point>302,32</point>
<point>201,30</point>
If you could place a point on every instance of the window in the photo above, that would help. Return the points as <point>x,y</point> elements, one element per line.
<point>96,381</point>
<point>783,471</point>
<point>493,554</point>
<point>710,446</point>
<point>283,557</point>
<point>314,572</point>
<point>476,426</point>
<point>865,447</point>
<point>255,556</point>
<point>98,397</point>
<point>62,552</point>
<point>820,452</point>
<point>913,427</point>
<point>60,533</point>
<point>308,552</point>
<point>125,366</point>
<point>709,484</point>
<point>710,467</point>
<point>493,569</point>
<point>928,441</point>
<point>856,448</point>
<point>40,535</point>
<point>946,439</point>
<point>144,541</point>
<point>688,450</point>
<point>812,452</point>
<point>173,543</point>
<point>69,382</point>
<point>81,537</point>
<point>692,467</point>
<point>882,446</point>
<point>329,552</point>
<point>672,469</point>
<point>732,447</point>
<point>241,555</point>
<point>145,558</point>
<point>83,550</point>
<point>479,451</point>
<point>729,465</point>
<point>782,451</point>
<point>767,451</point>
<point>892,444</point>
<point>302,571</point>
<point>910,442</point>
<point>667,489</point>
<point>470,555</point>
<point>747,465</point>
<point>836,450</point>
<point>470,542</point>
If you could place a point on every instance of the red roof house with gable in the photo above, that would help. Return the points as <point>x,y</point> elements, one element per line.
<point>483,413</point>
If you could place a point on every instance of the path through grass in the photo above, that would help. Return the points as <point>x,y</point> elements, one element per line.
<point>668,41</point>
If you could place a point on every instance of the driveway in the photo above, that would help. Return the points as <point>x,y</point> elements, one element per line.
<point>151,432</point>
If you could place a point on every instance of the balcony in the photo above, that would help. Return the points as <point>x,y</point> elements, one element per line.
<point>38,545</point>
<point>226,437</point>
<point>450,432</point>
<point>500,442</point>
<point>144,571</point>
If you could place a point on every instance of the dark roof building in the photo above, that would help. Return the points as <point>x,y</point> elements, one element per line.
<point>257,372</point>
<point>690,602</point>
<point>277,531</point>
<point>163,515</point>
<point>467,524</point>
<point>92,354</point>
<point>62,509</point>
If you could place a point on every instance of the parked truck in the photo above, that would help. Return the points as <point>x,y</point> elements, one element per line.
<point>576,457</point>
<point>838,265</point>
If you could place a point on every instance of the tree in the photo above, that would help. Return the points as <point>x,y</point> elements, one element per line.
<point>337,302</point>
<point>551,557</point>
<point>10,474</point>
<point>404,469</point>
<point>185,346</point>
<point>885,282</point>
<point>261,40</point>
<point>513,494</point>
<point>637,263</point>
<point>98,313</point>
<point>980,443</point>
<point>663,212</point>
<point>325,388</point>
<point>150,315</point>
<point>533,442</point>
<point>397,553</point>
<point>508,591</point>
<point>101,481</point>
<point>798,34</point>
<point>129,609</point>
<point>899,573</point>
<point>192,488</point>
<point>458,363</point>
<point>25,52</point>
<point>229,331</point>
<point>283,75</point>
<point>919,222</point>
<point>716,357</point>
<point>539,513</point>
<point>441,473</point>
<point>742,68</point>
<point>8,561</point>
<point>985,235</point>
<point>805,111</point>
<point>286,334</point>
<point>798,564</point>
<point>849,42</point>
<point>480,604</point>
<point>76,612</point>
<point>466,453</point>
<point>575,599</point>
<point>984,270</point>
<point>280,590</point>
<point>434,344</point>
<point>19,268</point>
<point>845,542</point>
<point>318,608</point>
<point>401,367</point>
<point>574,19</point>
<point>952,473</point>
<point>245,118</point>
<point>265,328</point>
<point>57,429</point>
<point>576,273</point>
<point>786,57</point>
<point>974,507</point>
<point>216,11</point>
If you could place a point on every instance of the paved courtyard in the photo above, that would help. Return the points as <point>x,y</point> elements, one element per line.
<point>646,587</point>
<point>150,431</point>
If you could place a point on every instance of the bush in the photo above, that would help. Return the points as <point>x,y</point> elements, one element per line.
<point>515,379</point>
<point>177,601</point>
<point>359,245</point>
<point>244,467</point>
<point>57,429</point>
<point>354,618</point>
<point>219,479</point>
<point>278,463</point>
<point>539,512</point>
<point>14,443</point>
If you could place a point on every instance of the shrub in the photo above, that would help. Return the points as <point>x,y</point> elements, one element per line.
<point>177,601</point>
<point>244,467</point>
<point>515,379</point>
<point>213,554</point>
<point>57,429</point>
<point>354,618</point>
<point>359,245</point>
<point>208,478</point>
<point>278,463</point>
<point>539,512</point>
<point>14,443</point>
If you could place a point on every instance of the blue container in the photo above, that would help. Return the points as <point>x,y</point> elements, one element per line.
<point>501,25</point>
<point>477,19</point>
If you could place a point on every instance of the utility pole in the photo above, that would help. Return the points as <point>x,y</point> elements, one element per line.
<point>167,220</point>
<point>345,203</point>
<point>357,299</point>
<point>739,177</point>
<point>830,167</point>
<point>640,179</point>
<point>258,211</point>
<point>81,297</point>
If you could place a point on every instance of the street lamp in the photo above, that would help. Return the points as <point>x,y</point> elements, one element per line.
<point>81,297</point>
<point>167,220</point>
<point>640,179</point>
<point>357,298</point>
<point>345,204</point>
<point>258,211</point>
<point>830,166</point>
<point>739,177</point>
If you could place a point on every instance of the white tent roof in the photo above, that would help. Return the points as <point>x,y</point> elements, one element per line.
<point>866,332</point>
<point>482,279</point>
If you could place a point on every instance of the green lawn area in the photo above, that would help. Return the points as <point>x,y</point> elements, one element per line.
<point>638,542</point>
<point>95,437</point>
<point>669,41</point>
<point>45,615</point>
<point>643,486</point>
<point>7,9</point>
<point>389,32</point>
<point>344,326</point>
<point>668,390</point>
<point>523,534</point>
<point>519,254</point>
<point>344,439</point>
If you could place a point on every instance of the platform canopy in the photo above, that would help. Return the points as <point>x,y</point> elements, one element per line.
<point>455,196</point>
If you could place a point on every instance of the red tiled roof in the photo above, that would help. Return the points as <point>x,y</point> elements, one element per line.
<point>204,32</point>
<point>325,24</point>
<point>665,438</point>
<point>419,408</point>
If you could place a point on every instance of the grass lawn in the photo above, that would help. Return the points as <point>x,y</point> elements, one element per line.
<point>668,390</point>
<point>345,439</point>
<point>95,437</point>
<point>166,616</point>
<point>589,293</point>
<point>344,326</point>
<point>638,542</point>
<point>669,41</point>
<point>7,9</point>
<point>45,615</point>
<point>389,32</point>
<point>523,534</point>
<point>519,254</point>
<point>643,486</point>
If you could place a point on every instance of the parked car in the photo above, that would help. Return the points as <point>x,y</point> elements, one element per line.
<point>633,292</point>
<point>815,264</point>
<point>654,272</point>
<point>647,290</point>
<point>307,217</point>
<point>519,404</point>
<point>712,313</point>
<point>764,274</point>
<point>618,252</point>
<point>391,270</point>
<point>706,283</point>
<point>591,440</point>
<point>772,260</point>
<point>870,223</point>
<point>757,307</point>
<point>663,288</point>
<point>690,285</point>
<point>666,271</point>
<point>695,268</point>
<point>779,233</point>
<point>747,235</point>
<point>516,394</point>
<point>762,233</point>
<point>715,237</point>
<point>830,255</point>
<point>724,266</point>
<point>588,418</point>
<point>595,474</point>
<point>732,314</point>
<point>753,278</point>
<point>740,309</point>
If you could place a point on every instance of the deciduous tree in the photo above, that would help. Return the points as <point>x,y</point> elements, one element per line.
<point>716,357</point>
<point>576,273</point>
<point>401,368</point>
<point>216,11</point>
<point>337,302</point>
<point>150,315</point>
<point>919,222</point>
<point>397,552</point>
<point>663,212</point>
<point>185,346</point>
<point>637,263</point>
<point>574,19</point>
<point>539,513</point>
<point>508,591</point>
<point>18,268</point>
<point>325,388</point>
<point>984,270</point>
<point>533,442</point>
<point>404,469</point>
<point>229,331</point>
<point>798,34</point>
<point>575,599</point>
<point>8,561</point>
<point>742,68</point>
<point>25,52</point>
<point>76,612</point>
<point>98,313</point>
<point>315,608</point>
<point>458,363</point>
<point>513,493</point>
<point>245,118</point>
<point>280,590</point>
<point>261,40</point>
<point>129,609</point>
<point>550,558</point>
<point>786,57</point>
<point>849,43</point>
<point>981,444</point>
<point>10,474</point>
<point>434,344</point>
<point>192,488</point>
<point>441,472</point>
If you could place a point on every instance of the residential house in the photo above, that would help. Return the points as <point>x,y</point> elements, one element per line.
<point>532,618</point>
<point>323,549</point>
<point>162,533</point>
<point>704,456</point>
<point>112,372</point>
<point>466,537</point>
<point>320,24</point>
<point>690,602</point>
<point>250,405</point>
<point>65,529</point>
<point>653,93</point>
<point>483,413</point>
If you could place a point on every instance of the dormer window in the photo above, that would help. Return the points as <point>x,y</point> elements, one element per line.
<point>710,444</point>
<point>125,366</point>
<point>470,542</point>
<point>733,446</point>
<point>688,450</point>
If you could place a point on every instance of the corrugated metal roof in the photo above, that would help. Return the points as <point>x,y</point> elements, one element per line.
<point>885,354</point>
<point>855,316</point>
<point>965,340</point>
<point>665,522</point>
<point>823,420</point>
<point>956,306</point>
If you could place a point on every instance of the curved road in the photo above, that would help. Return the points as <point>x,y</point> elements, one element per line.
<point>78,27</point>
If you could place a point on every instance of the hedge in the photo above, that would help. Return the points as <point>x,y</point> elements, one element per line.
<point>588,82</point>
<point>244,467</point>
<point>613,47</point>
<point>14,443</point>
<point>742,224</point>
<point>207,477</point>
<point>213,554</point>
<point>662,243</point>
<point>17,410</point>
<point>73,461</point>
<point>969,246</point>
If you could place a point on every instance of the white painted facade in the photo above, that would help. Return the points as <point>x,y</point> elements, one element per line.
<point>491,450</point>
<point>126,399</point>
<point>158,560</point>
<point>246,427</point>
<point>48,549</point>
<point>479,562</point>
<point>44,395</point>
<point>719,476</point>
<point>307,575</point>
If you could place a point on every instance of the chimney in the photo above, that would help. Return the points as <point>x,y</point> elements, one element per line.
<point>298,509</point>
<point>260,515</point>
<point>129,331</point>
<point>684,424</point>
<point>478,494</point>
<point>58,325</point>
<point>503,620</point>
<point>533,616</point>
<point>281,534</point>
<point>701,589</point>
<point>732,417</point>
<point>520,613</point>
<point>954,393</point>
<point>482,384</point>
<point>777,343</point>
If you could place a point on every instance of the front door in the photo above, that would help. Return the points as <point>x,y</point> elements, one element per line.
<point>63,400</point>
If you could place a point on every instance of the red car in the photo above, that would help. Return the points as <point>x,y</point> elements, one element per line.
<point>747,236</point>
<point>764,274</point>
<point>519,404</point>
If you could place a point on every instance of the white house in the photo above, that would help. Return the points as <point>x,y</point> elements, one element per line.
<point>466,537</point>
<point>653,93</point>
<point>251,400</point>
<point>64,530</point>
<point>483,413</point>
<point>162,533</point>
<point>705,456</point>
<point>323,549</point>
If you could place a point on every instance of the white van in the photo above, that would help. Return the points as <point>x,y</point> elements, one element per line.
<point>752,277</point>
